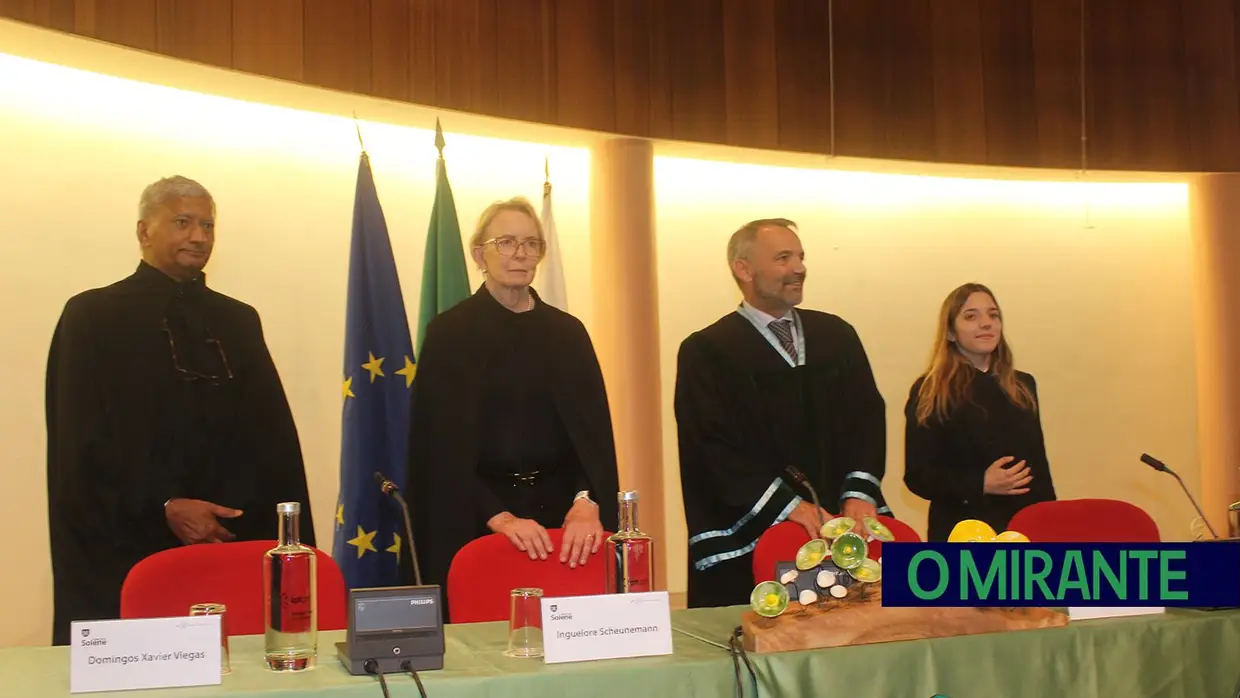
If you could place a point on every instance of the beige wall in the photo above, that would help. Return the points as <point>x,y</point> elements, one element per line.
<point>1214,207</point>
<point>1101,315</point>
<point>73,166</point>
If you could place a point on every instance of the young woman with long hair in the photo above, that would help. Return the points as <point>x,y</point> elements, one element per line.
<point>973,444</point>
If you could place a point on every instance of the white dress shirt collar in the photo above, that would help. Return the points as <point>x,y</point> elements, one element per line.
<point>766,318</point>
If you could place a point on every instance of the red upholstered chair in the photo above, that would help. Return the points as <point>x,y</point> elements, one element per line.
<point>1085,521</point>
<point>487,569</point>
<point>780,543</point>
<point>169,582</point>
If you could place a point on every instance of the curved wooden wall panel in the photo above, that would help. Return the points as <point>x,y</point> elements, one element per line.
<point>972,81</point>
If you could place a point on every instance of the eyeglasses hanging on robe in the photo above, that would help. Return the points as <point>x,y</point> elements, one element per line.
<point>213,345</point>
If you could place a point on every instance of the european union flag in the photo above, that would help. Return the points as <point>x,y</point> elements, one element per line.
<point>378,372</point>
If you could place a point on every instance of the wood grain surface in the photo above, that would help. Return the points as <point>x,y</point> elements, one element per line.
<point>861,619</point>
<point>1095,84</point>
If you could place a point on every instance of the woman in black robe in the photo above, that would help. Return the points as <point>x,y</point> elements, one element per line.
<point>510,427</point>
<point>973,437</point>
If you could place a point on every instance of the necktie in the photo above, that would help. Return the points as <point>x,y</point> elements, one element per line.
<point>783,331</point>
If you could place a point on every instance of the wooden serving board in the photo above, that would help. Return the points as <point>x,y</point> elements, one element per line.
<point>861,619</point>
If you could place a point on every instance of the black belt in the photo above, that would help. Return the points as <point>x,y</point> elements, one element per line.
<point>515,478</point>
<point>528,477</point>
<point>517,474</point>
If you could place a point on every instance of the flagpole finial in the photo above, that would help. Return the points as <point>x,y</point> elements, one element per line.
<point>358,126</point>
<point>439,142</point>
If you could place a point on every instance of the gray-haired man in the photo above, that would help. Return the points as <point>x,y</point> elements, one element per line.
<point>167,423</point>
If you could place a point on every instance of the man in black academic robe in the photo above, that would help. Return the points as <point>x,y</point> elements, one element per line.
<point>167,423</point>
<point>765,395</point>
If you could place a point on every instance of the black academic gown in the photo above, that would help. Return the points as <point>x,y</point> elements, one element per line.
<point>466,391</point>
<point>126,431</point>
<point>744,415</point>
<point>945,462</point>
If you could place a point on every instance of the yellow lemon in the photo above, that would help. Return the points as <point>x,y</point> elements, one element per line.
<point>1011,537</point>
<point>971,531</point>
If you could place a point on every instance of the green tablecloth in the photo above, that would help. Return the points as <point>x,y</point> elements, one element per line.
<point>1182,654</point>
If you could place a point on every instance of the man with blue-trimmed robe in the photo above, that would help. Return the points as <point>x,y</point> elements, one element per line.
<point>767,391</point>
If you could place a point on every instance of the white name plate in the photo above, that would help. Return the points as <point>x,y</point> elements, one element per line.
<point>606,626</point>
<point>122,655</point>
<point>1092,612</point>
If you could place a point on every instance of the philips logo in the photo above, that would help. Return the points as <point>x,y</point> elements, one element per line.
<point>421,602</point>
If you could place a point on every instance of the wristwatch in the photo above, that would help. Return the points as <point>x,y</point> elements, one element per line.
<point>584,494</point>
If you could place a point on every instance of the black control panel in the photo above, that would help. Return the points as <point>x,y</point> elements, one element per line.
<point>400,628</point>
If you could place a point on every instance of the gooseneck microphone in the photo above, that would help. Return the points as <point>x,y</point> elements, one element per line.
<point>800,479</point>
<point>390,489</point>
<point>1162,468</point>
<point>384,641</point>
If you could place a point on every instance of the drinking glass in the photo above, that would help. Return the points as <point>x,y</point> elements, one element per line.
<point>216,609</point>
<point>525,624</point>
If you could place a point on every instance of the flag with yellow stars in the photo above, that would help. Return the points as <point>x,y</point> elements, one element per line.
<point>378,371</point>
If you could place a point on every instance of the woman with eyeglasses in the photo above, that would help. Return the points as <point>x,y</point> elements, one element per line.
<point>511,429</point>
<point>973,443</point>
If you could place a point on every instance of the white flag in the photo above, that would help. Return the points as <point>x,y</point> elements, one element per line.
<point>551,275</point>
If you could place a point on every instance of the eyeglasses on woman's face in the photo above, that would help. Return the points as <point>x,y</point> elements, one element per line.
<point>507,246</point>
